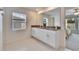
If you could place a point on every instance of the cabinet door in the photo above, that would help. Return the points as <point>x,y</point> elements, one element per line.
<point>51,38</point>
<point>42,35</point>
<point>45,35</point>
<point>45,39</point>
<point>38,34</point>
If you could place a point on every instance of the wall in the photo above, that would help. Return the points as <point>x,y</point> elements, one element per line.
<point>10,36</point>
<point>36,18</point>
<point>0,31</point>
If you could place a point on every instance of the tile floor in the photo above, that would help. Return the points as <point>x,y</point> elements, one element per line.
<point>29,44</point>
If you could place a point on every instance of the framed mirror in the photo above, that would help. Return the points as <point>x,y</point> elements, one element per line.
<point>18,21</point>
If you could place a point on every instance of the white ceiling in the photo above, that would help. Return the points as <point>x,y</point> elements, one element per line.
<point>68,10</point>
<point>35,8</point>
<point>52,12</point>
<point>40,9</point>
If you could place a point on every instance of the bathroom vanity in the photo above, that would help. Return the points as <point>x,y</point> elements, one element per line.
<point>53,38</point>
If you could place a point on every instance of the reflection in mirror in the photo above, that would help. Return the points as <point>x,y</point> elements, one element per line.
<point>45,22</point>
<point>72,28</point>
<point>51,18</point>
<point>18,21</point>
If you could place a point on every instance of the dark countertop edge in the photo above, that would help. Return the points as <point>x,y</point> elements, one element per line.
<point>47,29</point>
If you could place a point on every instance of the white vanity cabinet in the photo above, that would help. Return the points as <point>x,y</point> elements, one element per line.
<point>49,37</point>
<point>39,34</point>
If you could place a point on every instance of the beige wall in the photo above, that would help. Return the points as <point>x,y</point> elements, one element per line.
<point>12,36</point>
<point>1,31</point>
<point>36,18</point>
<point>0,41</point>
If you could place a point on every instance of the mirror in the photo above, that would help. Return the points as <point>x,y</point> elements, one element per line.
<point>51,18</point>
<point>18,21</point>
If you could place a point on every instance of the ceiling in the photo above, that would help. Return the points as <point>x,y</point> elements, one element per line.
<point>53,12</point>
<point>49,10</point>
<point>37,8</point>
<point>68,10</point>
<point>40,9</point>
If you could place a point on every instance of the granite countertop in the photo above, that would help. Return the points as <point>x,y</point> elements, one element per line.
<point>54,28</point>
<point>47,28</point>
